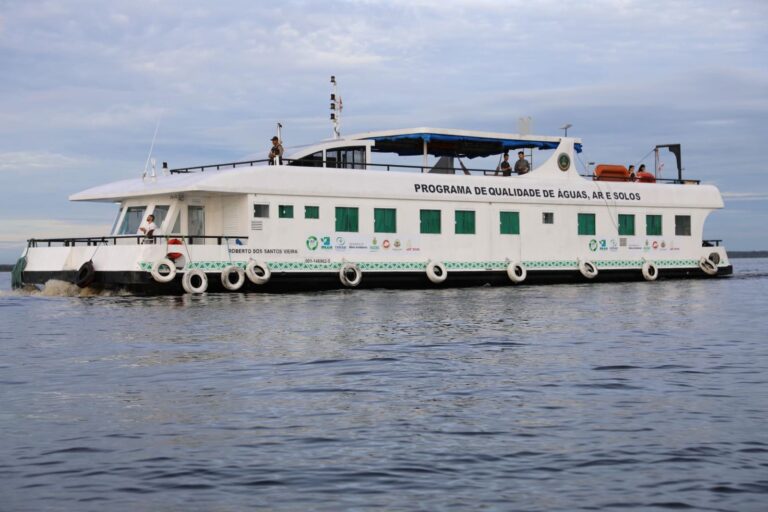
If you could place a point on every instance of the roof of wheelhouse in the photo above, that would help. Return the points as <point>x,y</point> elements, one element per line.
<point>449,142</point>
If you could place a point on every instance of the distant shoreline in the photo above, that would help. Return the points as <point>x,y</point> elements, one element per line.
<point>731,254</point>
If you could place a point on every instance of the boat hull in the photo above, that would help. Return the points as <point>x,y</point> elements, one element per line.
<point>140,282</point>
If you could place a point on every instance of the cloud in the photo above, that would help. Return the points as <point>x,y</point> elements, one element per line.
<point>36,160</point>
<point>745,196</point>
<point>16,231</point>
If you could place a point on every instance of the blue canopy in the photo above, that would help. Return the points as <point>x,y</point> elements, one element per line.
<point>455,145</point>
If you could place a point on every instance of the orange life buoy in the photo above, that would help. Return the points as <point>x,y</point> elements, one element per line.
<point>175,255</point>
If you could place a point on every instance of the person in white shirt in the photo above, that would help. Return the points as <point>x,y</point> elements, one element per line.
<point>149,228</point>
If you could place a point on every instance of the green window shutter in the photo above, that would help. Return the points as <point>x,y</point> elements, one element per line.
<point>586,223</point>
<point>682,225</point>
<point>311,212</point>
<point>626,225</point>
<point>346,219</point>
<point>465,222</point>
<point>510,223</point>
<point>430,221</point>
<point>384,220</point>
<point>653,225</point>
<point>285,211</point>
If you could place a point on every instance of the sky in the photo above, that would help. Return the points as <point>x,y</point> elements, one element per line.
<point>84,84</point>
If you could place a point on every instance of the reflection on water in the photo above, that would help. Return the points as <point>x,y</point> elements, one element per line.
<point>627,395</point>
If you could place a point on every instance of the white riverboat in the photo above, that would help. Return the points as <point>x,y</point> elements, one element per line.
<point>330,216</point>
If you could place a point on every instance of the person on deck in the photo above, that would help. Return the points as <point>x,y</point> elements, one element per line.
<point>504,167</point>
<point>522,166</point>
<point>275,152</point>
<point>645,177</point>
<point>149,229</point>
<point>632,176</point>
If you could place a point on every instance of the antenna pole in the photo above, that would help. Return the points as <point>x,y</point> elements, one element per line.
<point>151,147</point>
<point>656,162</point>
<point>336,107</point>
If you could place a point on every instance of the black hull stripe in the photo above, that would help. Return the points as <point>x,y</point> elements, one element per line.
<point>142,282</point>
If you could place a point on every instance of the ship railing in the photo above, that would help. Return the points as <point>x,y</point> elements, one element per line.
<point>218,167</point>
<point>333,164</point>
<point>627,180</point>
<point>137,240</point>
<point>711,243</point>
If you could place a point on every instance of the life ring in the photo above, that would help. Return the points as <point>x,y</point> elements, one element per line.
<point>650,270</point>
<point>258,271</point>
<point>174,255</point>
<point>436,272</point>
<point>188,282</point>
<point>350,275</point>
<point>708,266</point>
<point>225,278</point>
<point>86,274</point>
<point>517,272</point>
<point>587,269</point>
<point>157,274</point>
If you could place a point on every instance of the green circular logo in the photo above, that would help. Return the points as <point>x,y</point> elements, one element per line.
<point>563,162</point>
<point>593,245</point>
<point>312,243</point>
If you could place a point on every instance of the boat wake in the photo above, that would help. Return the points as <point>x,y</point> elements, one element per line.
<point>56,288</point>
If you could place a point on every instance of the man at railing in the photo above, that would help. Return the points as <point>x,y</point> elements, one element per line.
<point>275,152</point>
<point>148,229</point>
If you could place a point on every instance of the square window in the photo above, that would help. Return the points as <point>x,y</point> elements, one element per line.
<point>260,211</point>
<point>384,220</point>
<point>346,219</point>
<point>626,225</point>
<point>548,218</point>
<point>285,211</point>
<point>430,221</point>
<point>683,225</point>
<point>587,224</point>
<point>311,212</point>
<point>509,223</point>
<point>465,222</point>
<point>653,225</point>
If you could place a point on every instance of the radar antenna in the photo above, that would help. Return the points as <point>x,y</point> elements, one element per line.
<point>336,108</point>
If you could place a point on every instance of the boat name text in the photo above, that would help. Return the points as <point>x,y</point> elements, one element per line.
<point>263,251</point>
<point>525,192</point>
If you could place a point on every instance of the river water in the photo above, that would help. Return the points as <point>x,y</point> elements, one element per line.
<point>628,396</point>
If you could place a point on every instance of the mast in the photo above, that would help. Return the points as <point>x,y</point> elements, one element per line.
<point>336,107</point>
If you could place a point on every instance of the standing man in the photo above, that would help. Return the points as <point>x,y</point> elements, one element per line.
<point>522,166</point>
<point>504,167</point>
<point>275,152</point>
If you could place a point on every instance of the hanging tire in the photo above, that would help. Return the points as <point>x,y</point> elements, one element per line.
<point>650,271</point>
<point>86,274</point>
<point>436,272</point>
<point>157,270</point>
<point>350,275</point>
<point>587,269</point>
<point>708,266</point>
<point>517,272</point>
<point>195,281</point>
<point>258,272</point>
<point>226,280</point>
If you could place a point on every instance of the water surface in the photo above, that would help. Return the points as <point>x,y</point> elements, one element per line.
<point>640,396</point>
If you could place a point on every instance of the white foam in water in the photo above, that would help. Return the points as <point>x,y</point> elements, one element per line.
<point>56,288</point>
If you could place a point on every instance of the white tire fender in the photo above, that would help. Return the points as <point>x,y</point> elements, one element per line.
<point>436,272</point>
<point>350,275</point>
<point>516,272</point>
<point>227,283</point>
<point>161,277</point>
<point>650,270</point>
<point>708,266</point>
<point>189,284</point>
<point>258,271</point>
<point>587,269</point>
